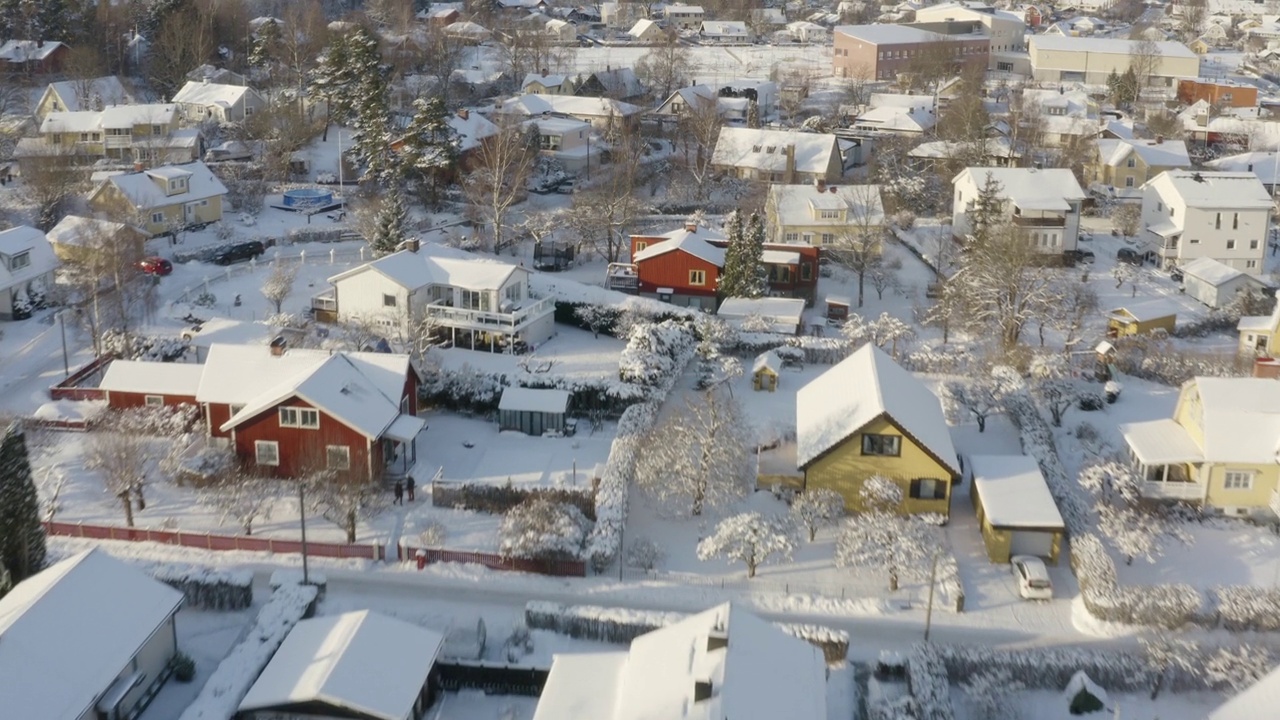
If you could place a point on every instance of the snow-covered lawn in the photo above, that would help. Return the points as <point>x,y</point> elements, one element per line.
<point>1048,705</point>
<point>570,353</point>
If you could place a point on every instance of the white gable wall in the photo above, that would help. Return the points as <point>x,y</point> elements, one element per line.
<point>1204,233</point>
<point>362,295</point>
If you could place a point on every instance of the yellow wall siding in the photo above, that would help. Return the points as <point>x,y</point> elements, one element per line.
<point>1166,323</point>
<point>110,201</point>
<point>1264,483</point>
<point>1187,413</point>
<point>845,468</point>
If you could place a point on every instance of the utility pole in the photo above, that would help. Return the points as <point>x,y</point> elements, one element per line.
<point>302,516</point>
<point>621,547</point>
<point>62,325</point>
<point>928,613</point>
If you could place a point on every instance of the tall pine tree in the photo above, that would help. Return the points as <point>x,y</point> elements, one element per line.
<point>22,548</point>
<point>430,145</point>
<point>389,224</point>
<point>744,271</point>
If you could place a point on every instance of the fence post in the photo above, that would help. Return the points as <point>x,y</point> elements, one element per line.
<point>228,274</point>
<point>253,262</point>
<point>80,528</point>
<point>271,546</point>
<point>361,253</point>
<point>302,257</point>
<point>208,541</point>
<point>332,255</point>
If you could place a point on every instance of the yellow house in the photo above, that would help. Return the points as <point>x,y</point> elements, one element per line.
<point>163,199</point>
<point>820,214</point>
<point>78,239</point>
<point>764,372</point>
<point>867,416</point>
<point>75,95</point>
<point>1218,449</point>
<point>1142,316</point>
<point>1126,164</point>
<point>1016,512</point>
<point>1260,334</point>
<point>130,133</point>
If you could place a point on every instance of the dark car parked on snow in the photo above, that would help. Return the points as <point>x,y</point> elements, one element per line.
<point>1128,255</point>
<point>238,252</point>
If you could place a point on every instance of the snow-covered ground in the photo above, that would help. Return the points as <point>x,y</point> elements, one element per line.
<point>1049,705</point>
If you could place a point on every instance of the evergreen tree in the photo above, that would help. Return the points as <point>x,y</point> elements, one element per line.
<point>265,46</point>
<point>6,582</point>
<point>744,271</point>
<point>987,211</point>
<point>369,108</point>
<point>22,548</point>
<point>389,225</point>
<point>430,144</point>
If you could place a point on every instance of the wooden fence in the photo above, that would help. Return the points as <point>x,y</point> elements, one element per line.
<point>491,677</point>
<point>69,389</point>
<point>493,561</point>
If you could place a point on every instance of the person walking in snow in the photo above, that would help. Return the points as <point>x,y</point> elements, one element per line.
<point>408,485</point>
<point>399,493</point>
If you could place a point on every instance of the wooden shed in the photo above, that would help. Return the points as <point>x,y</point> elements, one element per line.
<point>1015,509</point>
<point>764,372</point>
<point>533,411</point>
<point>1142,317</point>
<point>838,308</point>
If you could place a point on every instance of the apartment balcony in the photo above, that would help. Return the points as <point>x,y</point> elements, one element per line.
<point>116,142</point>
<point>1039,222</point>
<point>623,278</point>
<point>489,321</point>
<point>1190,490</point>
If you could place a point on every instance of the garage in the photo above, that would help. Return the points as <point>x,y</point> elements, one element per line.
<point>1016,512</point>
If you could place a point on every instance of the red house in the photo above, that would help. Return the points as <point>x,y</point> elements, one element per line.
<point>291,411</point>
<point>36,57</point>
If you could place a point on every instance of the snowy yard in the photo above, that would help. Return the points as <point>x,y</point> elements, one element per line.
<point>570,353</point>
<point>1048,705</point>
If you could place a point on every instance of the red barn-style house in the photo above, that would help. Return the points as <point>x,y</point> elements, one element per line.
<point>290,411</point>
<point>683,267</point>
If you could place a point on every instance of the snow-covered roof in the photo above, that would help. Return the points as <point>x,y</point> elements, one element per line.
<point>1155,153</point>
<point>210,93</point>
<point>1111,46</point>
<point>766,150</point>
<point>888,34</point>
<point>767,360</point>
<point>71,122</point>
<point>864,386</point>
<point>471,129</point>
<point>1013,492</point>
<point>1030,188</point>
<point>232,332</point>
<point>142,191</point>
<point>153,378</point>
<point>619,82</point>
<point>997,147</point>
<point>579,107</point>
<point>122,117</point>
<point>785,310</point>
<point>642,26</point>
<point>898,118</point>
<point>724,27</point>
<point>1266,165</point>
<point>794,204</point>
<point>548,81</point>
<point>20,239</point>
<point>541,400</point>
<point>1160,442</point>
<point>68,632</point>
<point>1142,310</point>
<point>1240,418</point>
<point>416,270</point>
<point>107,90</point>
<point>780,257</point>
<point>362,662</point>
<point>1211,271</point>
<point>1259,700</point>
<point>466,28</point>
<point>690,243</point>
<point>750,668</point>
<point>78,230</point>
<point>1206,189</point>
<point>21,51</point>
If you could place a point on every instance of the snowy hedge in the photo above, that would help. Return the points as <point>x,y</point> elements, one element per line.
<point>293,576</point>
<point>652,354</point>
<point>929,684</point>
<point>1167,606</point>
<point>1243,607</point>
<point>622,625</point>
<point>207,588</point>
<point>498,499</point>
<point>230,682</point>
<point>1047,668</point>
<point>813,350</point>
<point>468,390</point>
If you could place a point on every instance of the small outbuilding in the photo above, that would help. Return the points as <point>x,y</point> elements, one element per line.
<point>1015,509</point>
<point>533,411</point>
<point>770,314</point>
<point>1144,316</point>
<point>838,308</point>
<point>1215,283</point>
<point>764,372</point>
<point>358,665</point>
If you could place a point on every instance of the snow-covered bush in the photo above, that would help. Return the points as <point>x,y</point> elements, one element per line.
<point>990,692</point>
<point>543,529</point>
<point>1045,668</point>
<point>652,352</point>
<point>1236,667</point>
<point>433,535</point>
<point>815,508</point>
<point>294,576</point>
<point>128,346</point>
<point>834,643</point>
<point>750,538</point>
<point>1167,606</point>
<point>205,299</point>
<point>645,554</point>
<point>500,499</point>
<point>880,537</point>
<point>221,695</point>
<point>206,588</point>
<point>1246,607</point>
<point>929,683</point>
<point>944,359</point>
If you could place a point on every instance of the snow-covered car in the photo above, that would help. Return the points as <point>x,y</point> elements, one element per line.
<point>1032,576</point>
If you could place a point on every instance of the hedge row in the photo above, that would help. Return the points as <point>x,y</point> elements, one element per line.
<point>206,588</point>
<point>1048,668</point>
<point>929,685</point>
<point>498,499</point>
<point>1167,606</point>
<point>621,625</point>
<point>474,392</point>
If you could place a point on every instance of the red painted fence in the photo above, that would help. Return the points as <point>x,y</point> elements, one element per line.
<point>557,568</point>
<point>69,389</point>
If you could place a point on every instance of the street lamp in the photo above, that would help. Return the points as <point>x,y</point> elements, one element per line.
<point>302,517</point>
<point>62,326</point>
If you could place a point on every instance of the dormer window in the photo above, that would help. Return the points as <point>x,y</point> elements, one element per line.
<point>701,691</point>
<point>20,260</point>
<point>755,148</point>
<point>769,150</point>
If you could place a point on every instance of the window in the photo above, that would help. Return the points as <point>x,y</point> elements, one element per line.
<point>1194,241</point>
<point>154,400</point>
<point>20,260</point>
<point>157,217</point>
<point>881,445</point>
<point>266,452</point>
<point>1159,206</point>
<point>806,271</point>
<point>640,245</point>
<point>828,214</point>
<point>248,111</point>
<point>299,418</point>
<point>388,300</point>
<point>512,292</point>
<point>338,457</point>
<point>1217,221</point>
<point>1131,162</point>
<point>1253,244</point>
<point>1231,244</point>
<point>697,277</point>
<point>1237,480</point>
<point>791,237</point>
<point>928,489</point>
<point>1128,182</point>
<point>1251,264</point>
<point>1235,221</point>
<point>828,238</point>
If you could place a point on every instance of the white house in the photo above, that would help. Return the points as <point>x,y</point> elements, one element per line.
<point>1189,214</point>
<point>803,31</point>
<point>645,31</point>
<point>818,214</point>
<point>27,265</point>
<point>600,112</point>
<point>685,17</point>
<point>77,95</point>
<point>1044,204</point>
<point>784,156</point>
<point>204,100</point>
<point>561,32</point>
<point>1065,115</point>
<point>895,114</point>
<point>778,314</point>
<point>724,31</point>
<point>358,664</point>
<point>1216,284</point>
<point>1264,164</point>
<point>476,303</point>
<point>721,663</point>
<point>87,638</point>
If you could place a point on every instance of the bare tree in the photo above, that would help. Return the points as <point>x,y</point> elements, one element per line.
<point>857,85</point>
<point>51,177</point>
<point>859,243</point>
<point>496,180</point>
<point>123,460</point>
<point>884,276</point>
<point>1073,302</point>
<point>665,67</point>
<point>345,503</point>
<point>183,39</point>
<point>603,210</point>
<point>105,272</point>
<point>279,284</point>
<point>1144,60</point>
<point>442,53</point>
<point>1002,282</point>
<point>304,32</point>
<point>529,50</point>
<point>698,129</point>
<point>242,497</point>
<point>1194,14</point>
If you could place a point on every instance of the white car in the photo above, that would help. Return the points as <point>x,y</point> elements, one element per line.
<point>1032,576</point>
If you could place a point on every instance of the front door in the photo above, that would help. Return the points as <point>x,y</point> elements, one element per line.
<point>189,213</point>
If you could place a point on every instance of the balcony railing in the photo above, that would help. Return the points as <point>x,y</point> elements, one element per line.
<point>1173,490</point>
<point>117,141</point>
<point>489,320</point>
<point>1047,222</point>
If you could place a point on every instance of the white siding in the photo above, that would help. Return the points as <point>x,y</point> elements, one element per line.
<point>361,295</point>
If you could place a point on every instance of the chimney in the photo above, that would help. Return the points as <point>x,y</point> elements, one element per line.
<point>790,151</point>
<point>278,346</point>
<point>464,113</point>
<point>412,244</point>
<point>544,72</point>
<point>1159,139</point>
<point>204,80</point>
<point>831,189</point>
<point>690,226</point>
<point>820,184</point>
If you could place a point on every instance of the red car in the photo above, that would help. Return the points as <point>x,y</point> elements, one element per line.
<point>155,266</point>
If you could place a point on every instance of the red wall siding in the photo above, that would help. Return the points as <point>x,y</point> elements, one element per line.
<point>119,400</point>
<point>671,269</point>
<point>217,415</point>
<point>299,447</point>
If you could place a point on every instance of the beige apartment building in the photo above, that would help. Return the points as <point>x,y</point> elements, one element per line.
<point>1092,60</point>
<point>881,52</point>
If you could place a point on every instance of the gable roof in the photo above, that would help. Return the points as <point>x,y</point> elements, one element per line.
<point>684,242</point>
<point>765,150</point>
<point>864,386</point>
<point>642,26</point>
<point>54,673</point>
<point>363,663</point>
<point>1258,700</point>
<point>412,270</point>
<point>1013,492</point>
<point>1213,272</point>
<point>152,378</point>
<point>576,106</point>
<point>547,81</point>
<point>792,204</point>
<point>1205,189</point>
<point>1030,188</point>
<point>1240,419</point>
<point>621,82</point>
<point>25,238</point>
<point>1264,164</point>
<point>77,230</point>
<point>122,117</point>
<point>144,194</point>
<point>106,90</point>
<point>210,93</point>
<point>753,670</point>
<point>1163,153</point>
<point>21,51</point>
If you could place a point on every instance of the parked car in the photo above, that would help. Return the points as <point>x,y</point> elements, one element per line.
<point>1032,576</point>
<point>155,266</point>
<point>1081,256</point>
<point>237,252</point>
<point>1129,255</point>
<point>567,187</point>
<point>1175,274</point>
